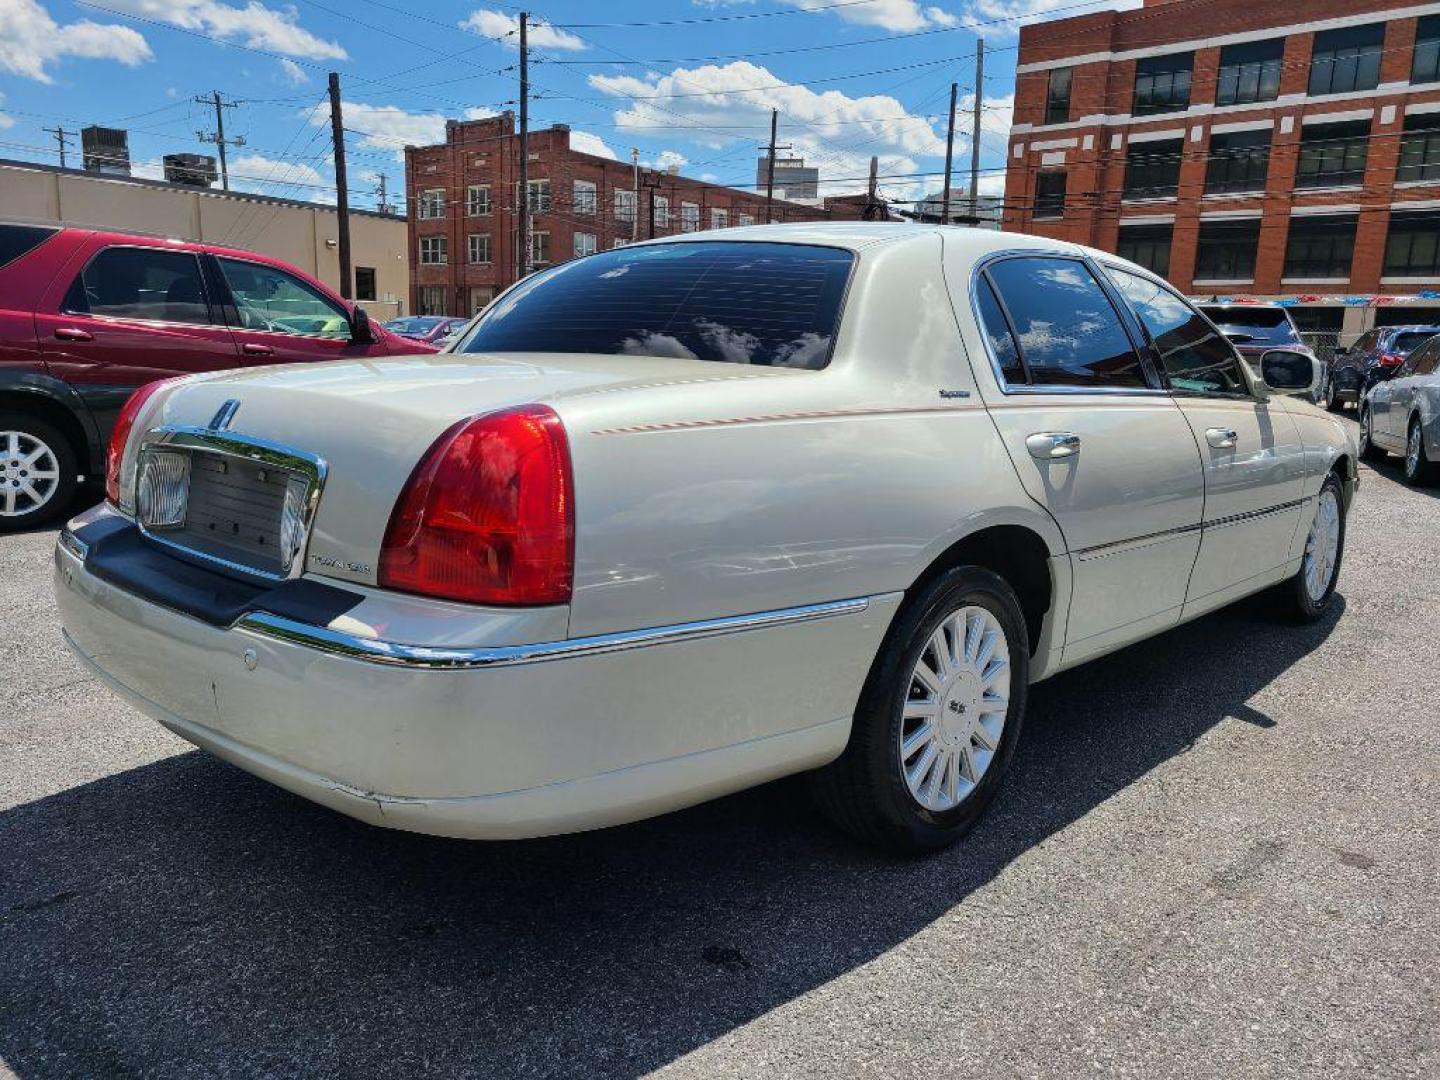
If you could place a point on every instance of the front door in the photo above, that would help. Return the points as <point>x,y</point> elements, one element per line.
<point>1251,447</point>
<point>1097,442</point>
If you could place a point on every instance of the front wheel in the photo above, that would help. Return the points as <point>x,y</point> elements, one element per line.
<point>938,719</point>
<point>1419,469</point>
<point>1310,592</point>
<point>38,473</point>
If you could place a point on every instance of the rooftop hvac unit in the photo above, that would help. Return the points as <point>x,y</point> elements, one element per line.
<point>192,170</point>
<point>105,150</point>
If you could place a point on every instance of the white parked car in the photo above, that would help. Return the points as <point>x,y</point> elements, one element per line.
<point>1401,413</point>
<point>694,514</point>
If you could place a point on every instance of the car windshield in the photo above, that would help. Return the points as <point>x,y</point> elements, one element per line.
<point>416,325</point>
<point>727,301</point>
<point>1408,340</point>
<point>1270,325</point>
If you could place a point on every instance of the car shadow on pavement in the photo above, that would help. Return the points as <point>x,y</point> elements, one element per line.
<point>185,918</point>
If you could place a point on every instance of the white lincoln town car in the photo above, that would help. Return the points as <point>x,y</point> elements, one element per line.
<point>689,515</point>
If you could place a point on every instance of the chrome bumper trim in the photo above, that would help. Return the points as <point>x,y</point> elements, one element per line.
<point>73,544</point>
<point>375,651</point>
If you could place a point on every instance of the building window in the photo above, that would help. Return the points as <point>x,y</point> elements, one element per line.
<point>1425,66</point>
<point>1162,83</point>
<point>365,283</point>
<point>1347,59</point>
<point>1152,169</point>
<point>585,201</point>
<point>1333,155</point>
<point>477,200</point>
<point>1413,247</point>
<point>619,242</point>
<point>1057,95</point>
<point>479,248</point>
<point>539,249</point>
<point>1050,195</point>
<point>689,217</point>
<point>480,297</point>
<point>1250,72</point>
<point>584,244</point>
<point>660,212</point>
<point>1226,250</point>
<point>433,251</point>
<point>625,205</point>
<point>719,217</point>
<point>1239,161</point>
<point>432,203</point>
<point>1320,247</point>
<point>538,201</point>
<point>746,219</point>
<point>1147,246</point>
<point>430,300</point>
<point>1420,148</point>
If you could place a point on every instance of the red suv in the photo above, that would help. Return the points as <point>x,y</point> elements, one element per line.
<point>87,316</point>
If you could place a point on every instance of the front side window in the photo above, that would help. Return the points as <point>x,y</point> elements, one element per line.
<point>1426,358</point>
<point>141,283</point>
<point>477,200</point>
<point>1425,64</point>
<point>1065,328</point>
<point>1250,72</point>
<point>1420,149</point>
<point>1057,95</point>
<point>1320,247</point>
<point>1050,195</point>
<point>1162,83</point>
<point>1225,250</point>
<point>1412,248</point>
<point>730,302</point>
<point>479,248</point>
<point>1152,169</point>
<point>625,205</point>
<point>585,197</point>
<point>432,203</point>
<point>1333,155</point>
<point>1195,357</point>
<point>1347,59</point>
<point>433,251</point>
<point>1239,161</point>
<point>689,217</point>
<point>268,298</point>
<point>1147,246</point>
<point>584,244</point>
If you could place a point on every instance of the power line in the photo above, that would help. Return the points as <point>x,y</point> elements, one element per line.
<point>218,135</point>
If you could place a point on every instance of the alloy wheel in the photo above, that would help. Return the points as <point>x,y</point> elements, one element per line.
<point>1322,546</point>
<point>29,474</point>
<point>1413,452</point>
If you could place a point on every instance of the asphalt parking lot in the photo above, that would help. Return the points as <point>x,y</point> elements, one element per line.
<point>1218,854</point>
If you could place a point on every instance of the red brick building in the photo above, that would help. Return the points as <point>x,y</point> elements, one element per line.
<point>463,197</point>
<point>1242,148</point>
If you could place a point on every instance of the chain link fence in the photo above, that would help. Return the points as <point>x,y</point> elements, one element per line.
<point>1323,343</point>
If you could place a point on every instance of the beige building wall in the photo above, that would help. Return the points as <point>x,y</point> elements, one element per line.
<point>305,234</point>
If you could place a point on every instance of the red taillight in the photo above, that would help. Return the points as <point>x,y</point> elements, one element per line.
<point>120,435</point>
<point>1390,359</point>
<point>488,516</point>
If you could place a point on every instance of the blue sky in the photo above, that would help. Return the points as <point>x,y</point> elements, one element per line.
<point>693,87</point>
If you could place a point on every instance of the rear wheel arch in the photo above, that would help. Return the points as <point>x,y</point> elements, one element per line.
<point>60,415</point>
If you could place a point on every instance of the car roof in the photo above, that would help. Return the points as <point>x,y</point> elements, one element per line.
<point>1410,328</point>
<point>861,235</point>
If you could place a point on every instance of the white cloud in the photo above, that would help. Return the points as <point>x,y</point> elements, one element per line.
<point>1018,13</point>
<point>293,73</point>
<point>539,34</point>
<point>388,127</point>
<point>254,25</point>
<point>898,15</point>
<point>30,39</point>
<point>290,179</point>
<point>667,159</point>
<point>587,143</point>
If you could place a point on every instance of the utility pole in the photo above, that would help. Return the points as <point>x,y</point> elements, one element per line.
<point>62,138</point>
<point>949,157</point>
<point>526,222</point>
<point>975,131</point>
<point>872,204</point>
<point>770,169</point>
<point>635,184</point>
<point>382,196</point>
<point>342,190</point>
<point>218,135</point>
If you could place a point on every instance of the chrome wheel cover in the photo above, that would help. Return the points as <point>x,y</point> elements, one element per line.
<point>29,474</point>
<point>1322,546</point>
<point>1412,452</point>
<point>955,709</point>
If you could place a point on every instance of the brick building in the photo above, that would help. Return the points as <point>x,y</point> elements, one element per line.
<point>464,228</point>
<point>1242,148</point>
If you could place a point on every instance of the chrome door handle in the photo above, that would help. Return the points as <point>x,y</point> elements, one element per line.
<point>1048,445</point>
<point>258,350</point>
<point>73,333</point>
<point>1221,438</point>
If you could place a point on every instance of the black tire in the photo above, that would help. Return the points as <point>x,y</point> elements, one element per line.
<point>1295,597</point>
<point>1419,470</point>
<point>864,791</point>
<point>1368,450</point>
<point>57,494</point>
<point>1332,400</point>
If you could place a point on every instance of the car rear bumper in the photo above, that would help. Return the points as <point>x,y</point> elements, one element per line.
<point>514,742</point>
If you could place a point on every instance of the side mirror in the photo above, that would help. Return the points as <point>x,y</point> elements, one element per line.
<point>1287,371</point>
<point>361,330</point>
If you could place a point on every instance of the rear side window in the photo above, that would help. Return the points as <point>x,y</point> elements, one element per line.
<point>1410,340</point>
<point>1066,330</point>
<point>149,284</point>
<point>738,303</point>
<point>17,240</point>
<point>1196,357</point>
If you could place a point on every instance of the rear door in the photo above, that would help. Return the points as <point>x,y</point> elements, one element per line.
<point>1401,391</point>
<point>1254,458</point>
<point>1096,441</point>
<point>280,318</point>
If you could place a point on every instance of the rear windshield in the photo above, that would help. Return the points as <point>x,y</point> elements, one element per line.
<point>412,326</point>
<point>16,240</point>
<point>1262,324</point>
<point>728,301</point>
<point>1410,339</point>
